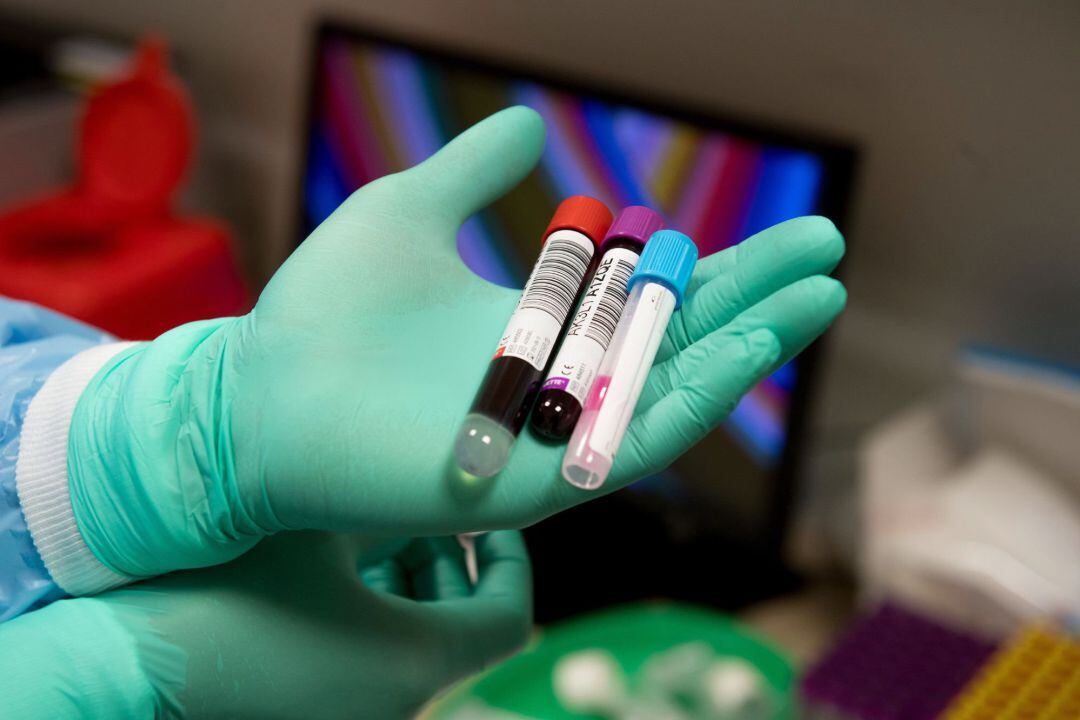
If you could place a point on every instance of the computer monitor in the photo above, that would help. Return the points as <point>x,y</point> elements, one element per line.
<point>379,105</point>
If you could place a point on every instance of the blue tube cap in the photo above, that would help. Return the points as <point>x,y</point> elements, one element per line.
<point>668,259</point>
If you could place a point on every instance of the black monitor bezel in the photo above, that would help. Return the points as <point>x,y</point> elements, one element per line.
<point>839,158</point>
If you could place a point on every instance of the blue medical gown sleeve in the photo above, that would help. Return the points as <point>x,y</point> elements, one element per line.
<point>33,343</point>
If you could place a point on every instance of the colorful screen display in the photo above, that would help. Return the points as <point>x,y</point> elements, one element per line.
<point>379,108</point>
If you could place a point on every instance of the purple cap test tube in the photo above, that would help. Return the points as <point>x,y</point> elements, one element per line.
<point>591,327</point>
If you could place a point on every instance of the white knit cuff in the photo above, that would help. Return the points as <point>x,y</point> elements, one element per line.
<point>41,477</point>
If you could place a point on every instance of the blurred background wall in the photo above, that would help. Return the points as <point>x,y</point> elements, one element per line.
<point>963,226</point>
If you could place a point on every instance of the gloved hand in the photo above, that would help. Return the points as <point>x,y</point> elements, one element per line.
<point>287,631</point>
<point>334,403</point>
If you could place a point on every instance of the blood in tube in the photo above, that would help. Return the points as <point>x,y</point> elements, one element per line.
<point>482,447</point>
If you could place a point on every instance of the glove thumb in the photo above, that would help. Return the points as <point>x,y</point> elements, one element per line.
<point>480,165</point>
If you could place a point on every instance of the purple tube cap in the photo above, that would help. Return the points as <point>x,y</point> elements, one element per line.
<point>635,223</point>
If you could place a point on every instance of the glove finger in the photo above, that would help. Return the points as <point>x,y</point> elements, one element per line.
<point>678,421</point>
<point>688,401</point>
<point>367,551</point>
<point>496,620</point>
<point>479,165</point>
<point>788,322</point>
<point>673,424</point>
<point>795,314</point>
<point>727,283</point>
<point>505,572</point>
<point>436,569</point>
<point>388,577</point>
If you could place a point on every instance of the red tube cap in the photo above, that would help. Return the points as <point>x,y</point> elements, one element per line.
<point>587,215</point>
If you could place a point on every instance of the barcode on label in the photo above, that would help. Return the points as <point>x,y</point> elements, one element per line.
<point>612,301</point>
<point>555,281</point>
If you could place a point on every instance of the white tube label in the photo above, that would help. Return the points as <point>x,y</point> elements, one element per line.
<point>617,394</point>
<point>592,326</point>
<point>547,299</point>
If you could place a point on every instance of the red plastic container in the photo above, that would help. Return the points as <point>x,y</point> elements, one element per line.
<point>109,250</point>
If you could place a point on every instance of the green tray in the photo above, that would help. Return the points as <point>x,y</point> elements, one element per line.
<point>631,634</point>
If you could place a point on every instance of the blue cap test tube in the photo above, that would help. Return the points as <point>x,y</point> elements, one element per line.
<point>656,290</point>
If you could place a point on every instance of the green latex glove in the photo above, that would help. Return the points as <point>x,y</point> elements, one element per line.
<point>334,403</point>
<point>288,631</point>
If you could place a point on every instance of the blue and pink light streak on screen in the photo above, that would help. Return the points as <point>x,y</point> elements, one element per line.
<point>382,109</point>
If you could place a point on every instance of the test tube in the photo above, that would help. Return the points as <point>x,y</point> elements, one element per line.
<point>502,403</point>
<point>656,290</point>
<point>558,406</point>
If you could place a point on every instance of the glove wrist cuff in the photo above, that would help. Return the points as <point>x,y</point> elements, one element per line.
<point>41,476</point>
